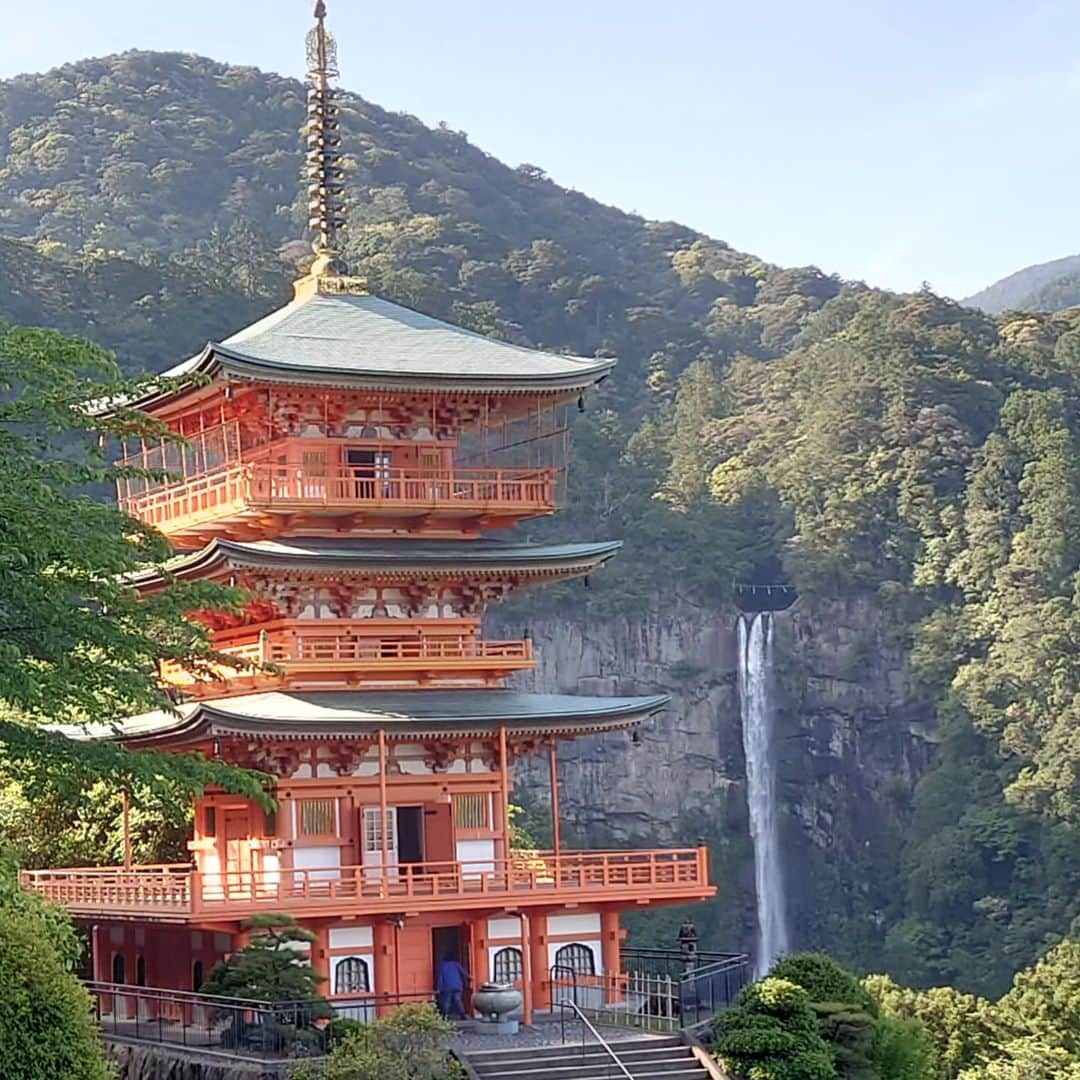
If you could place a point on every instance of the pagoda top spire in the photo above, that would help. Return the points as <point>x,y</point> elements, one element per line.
<point>323,167</point>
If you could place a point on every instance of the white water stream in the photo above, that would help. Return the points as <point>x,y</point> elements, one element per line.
<point>756,708</point>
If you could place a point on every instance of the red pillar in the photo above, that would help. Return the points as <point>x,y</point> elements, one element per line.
<point>539,962</point>
<point>553,764</point>
<point>610,940</point>
<point>504,795</point>
<point>385,958</point>
<point>527,988</point>
<point>383,837</point>
<point>320,957</point>
<point>480,966</point>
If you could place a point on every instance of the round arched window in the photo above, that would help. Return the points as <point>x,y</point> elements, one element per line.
<point>578,958</point>
<point>119,968</point>
<point>506,965</point>
<point>351,976</point>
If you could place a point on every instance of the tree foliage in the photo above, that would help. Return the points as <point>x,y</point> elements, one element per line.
<point>46,1030</point>
<point>275,964</point>
<point>771,1034</point>
<point>1031,1031</point>
<point>408,1044</point>
<point>78,645</point>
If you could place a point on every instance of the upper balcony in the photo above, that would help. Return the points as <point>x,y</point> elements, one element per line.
<point>231,480</point>
<point>179,893</point>
<point>334,654</point>
<point>264,499</point>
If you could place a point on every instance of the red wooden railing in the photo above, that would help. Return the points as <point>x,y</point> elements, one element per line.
<point>164,891</point>
<point>337,647</point>
<point>269,486</point>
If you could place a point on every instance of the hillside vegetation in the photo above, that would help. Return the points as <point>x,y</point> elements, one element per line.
<point>763,421</point>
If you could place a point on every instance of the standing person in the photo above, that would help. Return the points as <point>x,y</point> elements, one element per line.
<point>450,983</point>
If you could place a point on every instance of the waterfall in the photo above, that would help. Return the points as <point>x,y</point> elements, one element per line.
<point>756,708</point>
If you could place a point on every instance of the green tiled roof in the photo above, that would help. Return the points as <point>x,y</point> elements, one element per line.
<point>360,340</point>
<point>402,714</point>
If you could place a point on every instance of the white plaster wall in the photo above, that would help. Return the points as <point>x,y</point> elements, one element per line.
<point>478,854</point>
<point>574,924</point>
<point>351,937</point>
<point>504,929</point>
<point>325,857</point>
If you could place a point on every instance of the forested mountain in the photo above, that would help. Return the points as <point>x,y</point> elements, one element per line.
<point>903,450</point>
<point>1048,286</point>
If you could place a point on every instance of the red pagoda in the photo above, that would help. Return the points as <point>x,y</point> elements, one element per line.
<point>343,460</point>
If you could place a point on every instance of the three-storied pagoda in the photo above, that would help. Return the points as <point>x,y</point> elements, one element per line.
<point>341,461</point>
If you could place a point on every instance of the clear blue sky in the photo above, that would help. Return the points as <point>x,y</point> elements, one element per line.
<point>896,142</point>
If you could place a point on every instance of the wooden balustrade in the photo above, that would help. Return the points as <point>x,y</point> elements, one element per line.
<point>353,651</point>
<point>260,487</point>
<point>526,877</point>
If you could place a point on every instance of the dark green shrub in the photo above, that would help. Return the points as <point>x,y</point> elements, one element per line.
<point>408,1044</point>
<point>772,1034</point>
<point>824,980</point>
<point>46,1031</point>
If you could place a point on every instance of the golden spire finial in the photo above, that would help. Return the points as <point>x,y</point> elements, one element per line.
<point>325,175</point>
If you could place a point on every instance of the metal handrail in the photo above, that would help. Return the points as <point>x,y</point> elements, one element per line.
<point>573,983</point>
<point>586,1023</point>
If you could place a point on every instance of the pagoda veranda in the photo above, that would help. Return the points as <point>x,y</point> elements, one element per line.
<point>348,463</point>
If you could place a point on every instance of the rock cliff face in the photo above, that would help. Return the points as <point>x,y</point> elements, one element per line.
<point>852,742</point>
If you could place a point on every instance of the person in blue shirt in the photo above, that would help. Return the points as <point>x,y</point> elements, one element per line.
<point>450,983</point>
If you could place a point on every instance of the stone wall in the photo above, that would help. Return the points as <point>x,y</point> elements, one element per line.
<point>140,1061</point>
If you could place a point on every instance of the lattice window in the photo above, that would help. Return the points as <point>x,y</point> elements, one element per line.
<point>351,976</point>
<point>373,834</point>
<point>506,965</point>
<point>316,817</point>
<point>471,811</point>
<point>578,958</point>
<point>314,462</point>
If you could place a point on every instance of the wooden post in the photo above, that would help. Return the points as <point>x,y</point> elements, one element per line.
<point>127,830</point>
<point>383,838</point>
<point>526,972</point>
<point>386,974</point>
<point>610,941</point>
<point>554,765</point>
<point>538,959</point>
<point>504,787</point>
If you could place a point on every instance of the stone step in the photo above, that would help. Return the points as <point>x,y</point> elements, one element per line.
<point>648,1064</point>
<point>599,1071</point>
<point>620,1046</point>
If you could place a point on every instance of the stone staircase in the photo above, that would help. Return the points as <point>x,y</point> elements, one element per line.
<point>667,1058</point>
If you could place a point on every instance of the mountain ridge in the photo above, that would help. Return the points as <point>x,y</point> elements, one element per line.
<point>1022,289</point>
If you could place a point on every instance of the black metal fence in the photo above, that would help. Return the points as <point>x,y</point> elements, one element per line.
<point>237,1026</point>
<point>673,962</point>
<point>657,989</point>
<point>710,988</point>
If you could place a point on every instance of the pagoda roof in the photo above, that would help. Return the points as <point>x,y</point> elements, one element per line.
<point>350,339</point>
<point>388,555</point>
<point>403,715</point>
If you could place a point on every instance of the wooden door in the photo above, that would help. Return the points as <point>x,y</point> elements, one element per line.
<point>238,861</point>
<point>438,834</point>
